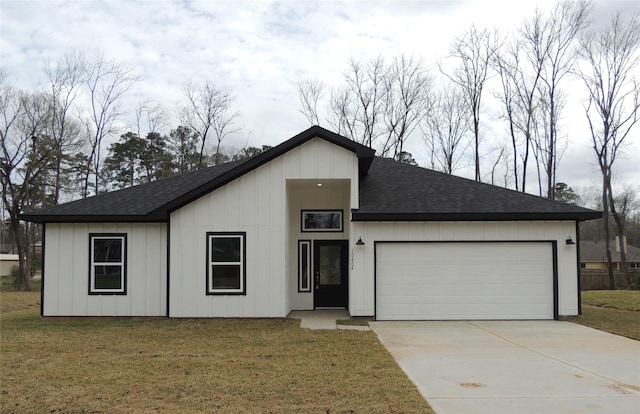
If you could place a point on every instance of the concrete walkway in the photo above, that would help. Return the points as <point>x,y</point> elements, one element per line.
<point>504,367</point>
<point>324,319</point>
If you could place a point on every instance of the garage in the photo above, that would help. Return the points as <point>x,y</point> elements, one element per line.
<point>464,280</point>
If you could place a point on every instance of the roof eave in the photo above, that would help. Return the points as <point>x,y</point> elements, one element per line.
<point>92,218</point>
<point>493,216</point>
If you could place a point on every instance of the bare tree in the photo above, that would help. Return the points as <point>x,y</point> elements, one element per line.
<point>156,116</point>
<point>553,40</point>
<point>406,101</point>
<point>378,104</point>
<point>519,75</point>
<point>23,119</point>
<point>610,59</point>
<point>208,109</point>
<point>65,80</point>
<point>356,108</point>
<point>309,93</point>
<point>107,82</point>
<point>474,50</point>
<point>444,129</point>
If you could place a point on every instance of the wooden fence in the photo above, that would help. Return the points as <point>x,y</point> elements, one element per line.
<point>592,279</point>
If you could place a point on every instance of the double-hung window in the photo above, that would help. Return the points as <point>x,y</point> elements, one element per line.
<point>226,273</point>
<point>108,263</point>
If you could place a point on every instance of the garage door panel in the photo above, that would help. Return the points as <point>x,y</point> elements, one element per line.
<point>469,280</point>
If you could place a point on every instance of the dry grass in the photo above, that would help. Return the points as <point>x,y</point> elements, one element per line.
<point>617,299</point>
<point>19,301</point>
<point>193,365</point>
<point>619,322</point>
<point>615,311</point>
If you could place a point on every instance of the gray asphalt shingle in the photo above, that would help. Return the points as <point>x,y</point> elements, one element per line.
<point>389,190</point>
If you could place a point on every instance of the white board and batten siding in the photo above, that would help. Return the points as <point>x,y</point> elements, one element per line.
<point>466,252</point>
<point>66,271</point>
<point>255,204</point>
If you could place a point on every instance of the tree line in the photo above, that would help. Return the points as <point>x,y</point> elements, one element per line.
<point>54,140</point>
<point>383,103</point>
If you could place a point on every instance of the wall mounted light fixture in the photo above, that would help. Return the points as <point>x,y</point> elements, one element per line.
<point>569,241</point>
<point>360,242</point>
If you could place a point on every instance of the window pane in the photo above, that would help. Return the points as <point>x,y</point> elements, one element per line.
<point>225,276</point>
<point>304,266</point>
<point>107,250</point>
<point>108,277</point>
<point>330,266</point>
<point>225,249</point>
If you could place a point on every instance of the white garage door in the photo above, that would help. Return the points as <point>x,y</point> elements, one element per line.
<point>467,280</point>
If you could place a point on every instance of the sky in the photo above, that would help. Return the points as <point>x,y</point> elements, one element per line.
<point>260,50</point>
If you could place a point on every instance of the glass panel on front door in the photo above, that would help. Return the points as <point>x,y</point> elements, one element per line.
<point>330,266</point>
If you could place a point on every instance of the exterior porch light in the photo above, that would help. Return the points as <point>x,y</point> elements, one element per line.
<point>360,242</point>
<point>569,241</point>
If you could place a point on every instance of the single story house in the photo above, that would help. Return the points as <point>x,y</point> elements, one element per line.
<point>593,255</point>
<point>317,221</point>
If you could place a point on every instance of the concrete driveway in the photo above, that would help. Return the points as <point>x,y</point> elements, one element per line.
<point>505,367</point>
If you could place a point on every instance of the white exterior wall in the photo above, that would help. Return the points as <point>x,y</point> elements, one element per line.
<point>361,283</point>
<point>66,271</point>
<point>311,197</point>
<point>257,204</point>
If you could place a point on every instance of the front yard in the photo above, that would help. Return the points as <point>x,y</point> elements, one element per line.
<point>191,365</point>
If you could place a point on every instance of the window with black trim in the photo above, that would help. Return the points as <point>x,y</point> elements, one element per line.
<point>108,263</point>
<point>304,265</point>
<point>226,273</point>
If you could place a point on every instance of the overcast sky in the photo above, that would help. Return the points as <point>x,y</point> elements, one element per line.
<point>259,50</point>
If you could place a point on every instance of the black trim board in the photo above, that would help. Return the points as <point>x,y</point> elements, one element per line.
<point>492,216</point>
<point>554,246</point>
<point>579,268</point>
<point>168,274</point>
<point>44,238</point>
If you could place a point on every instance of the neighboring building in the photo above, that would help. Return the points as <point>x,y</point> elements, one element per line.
<point>317,221</point>
<point>7,262</point>
<point>593,255</point>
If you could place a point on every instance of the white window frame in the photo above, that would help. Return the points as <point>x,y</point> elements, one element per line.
<point>93,290</point>
<point>210,263</point>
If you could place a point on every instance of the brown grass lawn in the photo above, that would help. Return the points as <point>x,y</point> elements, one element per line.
<point>79,365</point>
<point>615,311</point>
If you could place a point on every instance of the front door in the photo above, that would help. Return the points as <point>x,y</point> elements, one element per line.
<point>330,273</point>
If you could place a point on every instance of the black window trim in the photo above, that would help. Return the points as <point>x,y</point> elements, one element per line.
<point>309,266</point>
<point>243,264</point>
<point>91,288</point>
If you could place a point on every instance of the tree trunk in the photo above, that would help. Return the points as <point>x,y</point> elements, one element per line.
<point>607,233</point>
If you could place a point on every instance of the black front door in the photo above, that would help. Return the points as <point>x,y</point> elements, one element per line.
<point>330,273</point>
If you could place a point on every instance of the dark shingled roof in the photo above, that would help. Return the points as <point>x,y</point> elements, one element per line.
<point>389,190</point>
<point>396,191</point>
<point>138,203</point>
